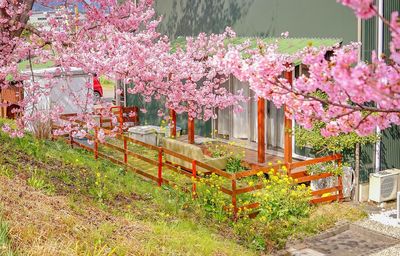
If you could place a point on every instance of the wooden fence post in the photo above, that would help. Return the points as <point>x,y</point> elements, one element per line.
<point>160,166</point>
<point>172,127</point>
<point>190,130</point>
<point>96,144</point>
<point>234,202</point>
<point>194,176</point>
<point>71,140</point>
<point>125,151</point>
<point>261,129</point>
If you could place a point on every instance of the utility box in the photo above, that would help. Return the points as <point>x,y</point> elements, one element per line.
<point>383,186</point>
<point>70,90</point>
<point>146,133</point>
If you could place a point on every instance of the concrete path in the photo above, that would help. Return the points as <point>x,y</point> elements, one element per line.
<point>348,240</point>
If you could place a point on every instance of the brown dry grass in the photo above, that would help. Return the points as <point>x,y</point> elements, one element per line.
<point>46,225</point>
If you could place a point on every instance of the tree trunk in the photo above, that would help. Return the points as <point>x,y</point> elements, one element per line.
<point>21,19</point>
<point>356,192</point>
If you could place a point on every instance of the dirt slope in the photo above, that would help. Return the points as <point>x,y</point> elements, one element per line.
<point>48,225</point>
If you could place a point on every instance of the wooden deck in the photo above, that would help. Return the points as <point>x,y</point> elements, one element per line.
<point>251,155</point>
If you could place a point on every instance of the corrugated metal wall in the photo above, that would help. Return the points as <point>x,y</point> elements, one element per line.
<point>367,162</point>
<point>369,38</point>
<point>390,148</point>
<point>262,18</point>
<point>390,144</point>
<point>389,6</point>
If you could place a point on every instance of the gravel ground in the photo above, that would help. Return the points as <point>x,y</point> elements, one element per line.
<point>376,222</point>
<point>379,227</point>
<point>391,251</point>
<point>388,217</point>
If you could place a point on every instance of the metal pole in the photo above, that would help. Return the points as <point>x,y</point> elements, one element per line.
<point>380,52</point>
<point>356,195</point>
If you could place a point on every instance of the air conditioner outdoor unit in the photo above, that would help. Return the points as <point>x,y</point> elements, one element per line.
<point>383,186</point>
<point>395,171</point>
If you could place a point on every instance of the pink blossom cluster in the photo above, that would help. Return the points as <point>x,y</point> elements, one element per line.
<point>363,8</point>
<point>118,40</point>
<point>193,78</point>
<point>358,96</point>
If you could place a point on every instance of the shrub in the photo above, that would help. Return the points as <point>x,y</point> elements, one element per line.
<point>38,181</point>
<point>211,199</point>
<point>329,167</point>
<point>282,198</point>
<point>233,153</point>
<point>234,164</point>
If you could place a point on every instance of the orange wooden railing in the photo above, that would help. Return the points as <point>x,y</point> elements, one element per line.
<point>234,191</point>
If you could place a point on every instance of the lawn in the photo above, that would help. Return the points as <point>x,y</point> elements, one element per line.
<point>49,190</point>
<point>107,83</point>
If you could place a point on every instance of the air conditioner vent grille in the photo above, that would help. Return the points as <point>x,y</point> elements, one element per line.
<point>387,187</point>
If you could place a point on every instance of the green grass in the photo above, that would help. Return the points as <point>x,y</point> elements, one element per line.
<point>106,82</point>
<point>174,223</point>
<point>5,243</point>
<point>24,65</point>
<point>56,169</point>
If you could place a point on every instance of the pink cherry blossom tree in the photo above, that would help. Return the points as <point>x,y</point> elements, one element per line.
<point>346,94</point>
<point>193,77</point>
<point>118,40</point>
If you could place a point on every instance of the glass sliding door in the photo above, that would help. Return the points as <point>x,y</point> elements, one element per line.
<point>275,127</point>
<point>241,120</point>
<point>254,118</point>
<point>223,123</point>
<point>240,126</point>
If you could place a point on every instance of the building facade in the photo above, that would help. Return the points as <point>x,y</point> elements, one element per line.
<point>254,18</point>
<point>375,36</point>
<point>269,18</point>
